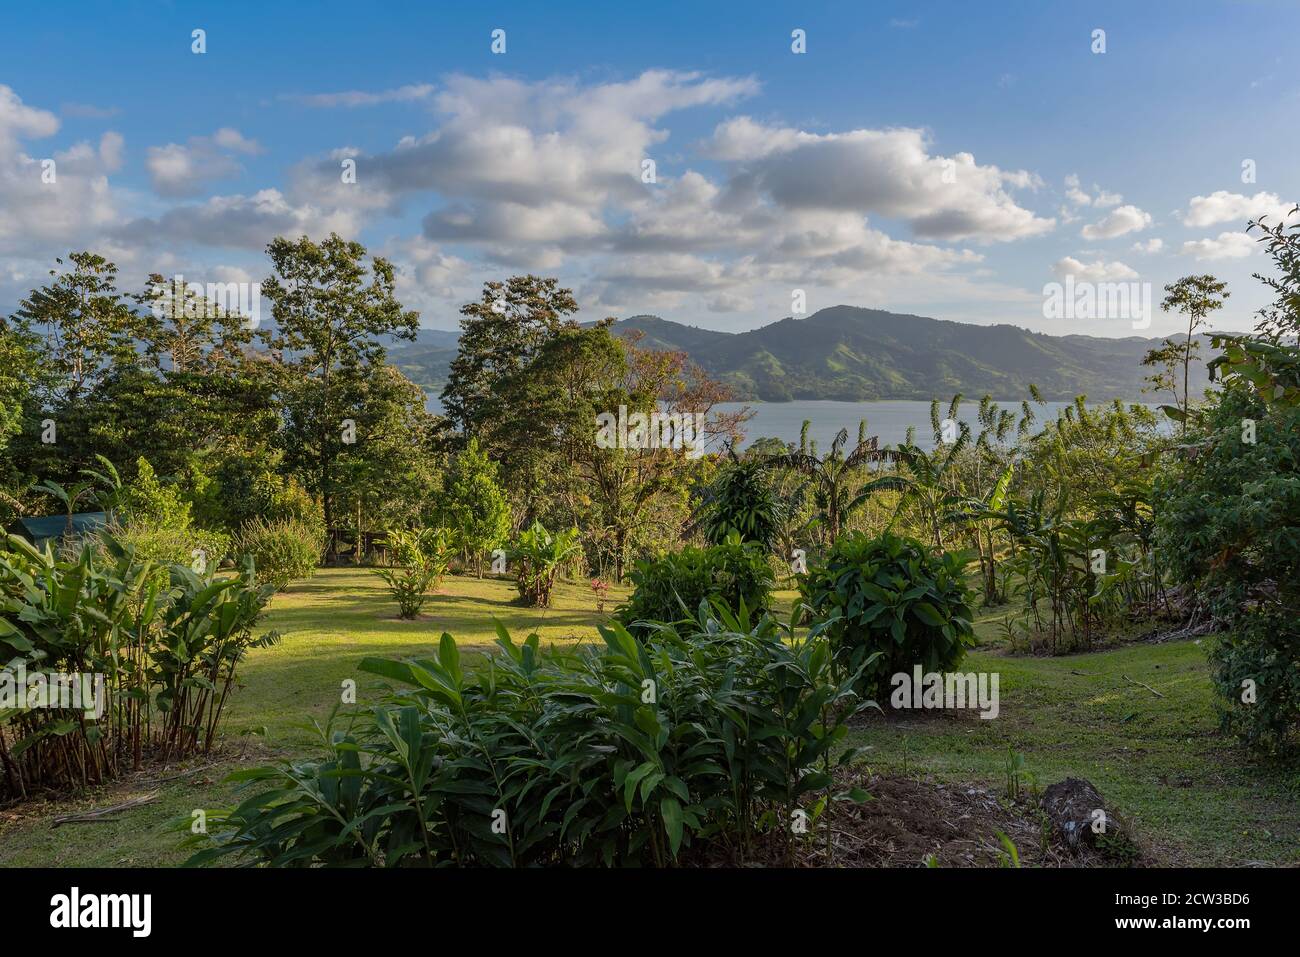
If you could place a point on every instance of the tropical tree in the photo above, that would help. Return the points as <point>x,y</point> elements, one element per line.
<point>833,476</point>
<point>927,480</point>
<point>1195,297</point>
<point>330,311</point>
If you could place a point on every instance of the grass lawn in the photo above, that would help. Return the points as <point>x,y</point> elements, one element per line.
<point>1159,760</point>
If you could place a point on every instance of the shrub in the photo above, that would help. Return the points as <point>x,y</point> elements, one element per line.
<point>474,504</point>
<point>711,733</point>
<point>1228,527</point>
<point>421,560</point>
<point>283,550</point>
<point>168,654</point>
<point>148,502</point>
<point>201,549</point>
<point>538,557</point>
<point>671,588</point>
<point>894,596</point>
<point>740,501</point>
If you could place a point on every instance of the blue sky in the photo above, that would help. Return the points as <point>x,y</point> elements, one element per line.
<point>775,171</point>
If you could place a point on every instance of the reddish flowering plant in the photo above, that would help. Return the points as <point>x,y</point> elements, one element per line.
<point>601,588</point>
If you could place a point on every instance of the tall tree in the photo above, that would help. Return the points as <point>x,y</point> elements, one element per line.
<point>185,332</point>
<point>87,324</point>
<point>1195,297</point>
<point>329,312</point>
<point>500,335</point>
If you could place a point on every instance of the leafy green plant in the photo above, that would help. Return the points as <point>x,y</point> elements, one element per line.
<point>1016,774</point>
<point>704,738</point>
<point>1008,856</point>
<point>538,556</point>
<point>741,501</point>
<point>421,560</point>
<point>168,652</point>
<point>833,477</point>
<point>893,596</point>
<point>1230,528</point>
<point>283,550</point>
<point>671,588</point>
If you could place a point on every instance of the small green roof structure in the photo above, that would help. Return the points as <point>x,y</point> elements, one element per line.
<point>38,531</point>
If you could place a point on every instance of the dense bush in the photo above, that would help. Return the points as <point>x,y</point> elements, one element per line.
<point>201,549</point>
<point>420,561</point>
<point>474,505</point>
<point>741,501</point>
<point>168,654</point>
<point>891,595</point>
<point>1229,526</point>
<point>283,550</point>
<point>538,556</point>
<point>711,732</point>
<point>671,588</point>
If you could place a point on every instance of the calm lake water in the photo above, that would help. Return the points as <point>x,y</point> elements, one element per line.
<point>888,419</point>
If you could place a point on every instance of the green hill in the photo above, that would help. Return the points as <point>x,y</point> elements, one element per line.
<point>854,354</point>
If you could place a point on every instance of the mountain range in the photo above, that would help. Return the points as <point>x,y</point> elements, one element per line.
<point>853,354</point>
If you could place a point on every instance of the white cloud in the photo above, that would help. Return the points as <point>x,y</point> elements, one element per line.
<point>353,98</point>
<point>37,217</point>
<point>1098,271</point>
<point>1149,246</point>
<point>231,139</point>
<point>1080,197</point>
<point>177,170</point>
<point>1125,219</point>
<point>1223,207</point>
<point>238,221</point>
<point>889,172</point>
<point>1229,245</point>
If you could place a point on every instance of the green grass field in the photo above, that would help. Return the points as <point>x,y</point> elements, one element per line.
<point>1192,793</point>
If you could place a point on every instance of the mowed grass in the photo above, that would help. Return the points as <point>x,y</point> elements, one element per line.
<point>329,623</point>
<point>1190,791</point>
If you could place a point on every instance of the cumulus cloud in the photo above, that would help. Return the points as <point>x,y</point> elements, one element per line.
<point>177,170</point>
<point>1229,245</point>
<point>1097,271</point>
<point>888,172</point>
<point>1125,219</point>
<point>1223,207</point>
<point>36,215</point>
<point>1100,198</point>
<point>238,221</point>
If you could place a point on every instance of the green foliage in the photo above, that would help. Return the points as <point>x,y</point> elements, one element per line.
<point>168,651</point>
<point>1229,527</point>
<point>283,550</point>
<point>710,733</point>
<point>673,587</point>
<point>200,549</point>
<point>473,503</point>
<point>242,488</point>
<point>538,556</point>
<point>421,560</point>
<point>740,500</point>
<point>330,310</point>
<point>892,596</point>
<point>147,501</point>
<point>833,477</point>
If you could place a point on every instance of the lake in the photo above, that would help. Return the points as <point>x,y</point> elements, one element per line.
<point>887,418</point>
